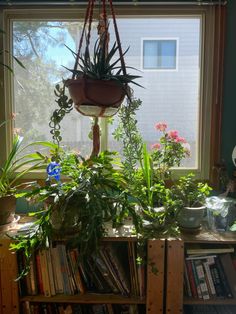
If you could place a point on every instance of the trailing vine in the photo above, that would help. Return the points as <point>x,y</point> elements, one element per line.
<point>65,106</point>
<point>127,132</point>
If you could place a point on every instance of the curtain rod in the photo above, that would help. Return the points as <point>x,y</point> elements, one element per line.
<point>198,3</point>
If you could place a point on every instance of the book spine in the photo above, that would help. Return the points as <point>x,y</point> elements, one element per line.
<point>64,269</point>
<point>202,280</point>
<point>216,281</point>
<point>39,274</point>
<point>187,281</point>
<point>45,275</point>
<point>209,278</point>
<point>223,279</point>
<point>199,293</point>
<point>57,270</point>
<point>191,279</point>
<point>50,272</point>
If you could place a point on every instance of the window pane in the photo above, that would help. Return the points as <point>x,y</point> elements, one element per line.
<point>150,54</point>
<point>169,96</point>
<point>39,45</point>
<point>167,54</point>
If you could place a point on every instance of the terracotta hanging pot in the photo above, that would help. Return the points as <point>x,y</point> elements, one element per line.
<point>97,98</point>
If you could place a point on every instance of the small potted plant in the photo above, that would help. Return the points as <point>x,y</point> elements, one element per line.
<point>16,166</point>
<point>189,198</point>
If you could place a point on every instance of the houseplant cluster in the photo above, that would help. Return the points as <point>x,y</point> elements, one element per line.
<point>81,195</point>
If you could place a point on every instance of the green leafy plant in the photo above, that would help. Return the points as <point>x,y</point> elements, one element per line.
<point>187,192</point>
<point>169,151</point>
<point>93,193</point>
<point>102,66</point>
<point>18,164</point>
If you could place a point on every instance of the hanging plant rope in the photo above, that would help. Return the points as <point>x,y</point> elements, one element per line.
<point>99,80</point>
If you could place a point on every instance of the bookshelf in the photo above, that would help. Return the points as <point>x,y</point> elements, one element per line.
<point>150,303</point>
<point>9,299</point>
<point>180,255</point>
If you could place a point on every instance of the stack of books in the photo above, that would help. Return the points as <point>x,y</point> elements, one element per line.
<point>59,270</point>
<point>210,273</point>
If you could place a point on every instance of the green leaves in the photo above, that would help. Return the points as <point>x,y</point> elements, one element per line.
<point>15,168</point>
<point>65,105</point>
<point>189,193</point>
<point>100,65</point>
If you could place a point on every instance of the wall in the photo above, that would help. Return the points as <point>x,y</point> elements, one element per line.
<point>229,95</point>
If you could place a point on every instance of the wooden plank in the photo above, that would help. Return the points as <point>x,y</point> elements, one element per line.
<point>155,281</point>
<point>9,288</point>
<point>174,276</point>
<point>85,298</point>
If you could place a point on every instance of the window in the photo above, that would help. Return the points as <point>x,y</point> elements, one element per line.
<point>173,57</point>
<point>159,54</point>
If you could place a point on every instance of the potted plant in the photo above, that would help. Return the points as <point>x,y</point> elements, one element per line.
<point>16,166</point>
<point>189,198</point>
<point>99,87</point>
<point>93,193</point>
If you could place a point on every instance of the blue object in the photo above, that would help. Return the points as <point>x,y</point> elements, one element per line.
<point>54,171</point>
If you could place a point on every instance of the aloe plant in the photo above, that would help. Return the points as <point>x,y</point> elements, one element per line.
<point>102,65</point>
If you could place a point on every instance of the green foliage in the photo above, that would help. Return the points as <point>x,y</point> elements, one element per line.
<point>17,165</point>
<point>93,193</point>
<point>127,132</point>
<point>101,66</point>
<point>65,105</point>
<point>38,236</point>
<point>187,192</point>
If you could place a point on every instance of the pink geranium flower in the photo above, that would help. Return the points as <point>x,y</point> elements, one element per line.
<point>156,146</point>
<point>161,126</point>
<point>180,140</point>
<point>173,134</point>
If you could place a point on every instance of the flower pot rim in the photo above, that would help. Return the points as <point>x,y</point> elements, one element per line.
<point>195,207</point>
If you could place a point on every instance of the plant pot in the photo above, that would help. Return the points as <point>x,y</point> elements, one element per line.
<point>97,98</point>
<point>7,209</point>
<point>190,218</point>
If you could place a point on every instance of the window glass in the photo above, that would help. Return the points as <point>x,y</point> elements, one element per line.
<point>169,96</point>
<point>159,54</point>
<point>40,46</point>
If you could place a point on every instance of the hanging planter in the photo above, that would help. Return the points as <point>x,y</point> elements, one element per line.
<point>100,81</point>
<point>96,98</point>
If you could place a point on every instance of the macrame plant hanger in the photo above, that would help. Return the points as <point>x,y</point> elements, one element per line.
<point>104,36</point>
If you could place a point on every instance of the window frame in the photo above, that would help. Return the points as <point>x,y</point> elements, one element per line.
<point>206,116</point>
<point>175,69</point>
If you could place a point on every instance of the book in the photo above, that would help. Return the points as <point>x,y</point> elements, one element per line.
<point>75,271</point>
<point>32,276</point>
<point>224,282</point>
<point>205,251</point>
<point>230,271</point>
<point>44,271</point>
<point>191,279</point>
<point>211,286</point>
<point>56,267</point>
<point>196,280</point>
<point>202,279</point>
<point>117,268</point>
<point>216,280</point>
<point>39,273</point>
<point>50,272</point>
<point>64,269</point>
<point>187,281</point>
